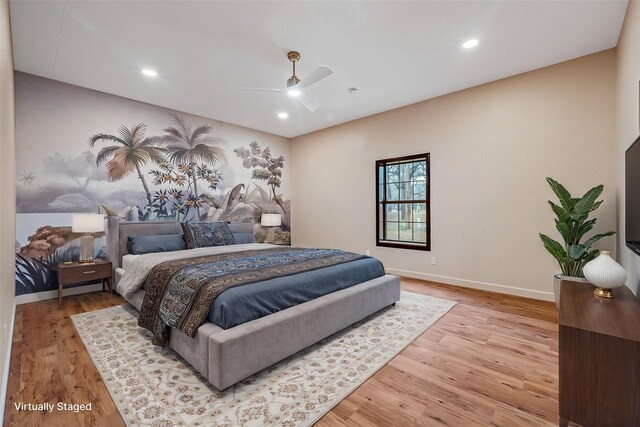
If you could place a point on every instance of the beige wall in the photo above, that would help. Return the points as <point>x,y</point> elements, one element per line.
<point>7,190</point>
<point>626,124</point>
<point>491,148</point>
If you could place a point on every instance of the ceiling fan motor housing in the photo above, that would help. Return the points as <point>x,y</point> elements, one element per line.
<point>293,57</point>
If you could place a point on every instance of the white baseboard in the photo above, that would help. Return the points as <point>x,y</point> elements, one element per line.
<point>41,296</point>
<point>511,290</point>
<point>7,363</point>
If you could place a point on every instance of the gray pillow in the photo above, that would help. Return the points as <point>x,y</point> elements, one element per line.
<point>156,243</point>
<point>206,234</point>
<point>241,238</point>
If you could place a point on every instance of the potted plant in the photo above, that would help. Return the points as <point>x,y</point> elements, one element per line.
<point>573,223</point>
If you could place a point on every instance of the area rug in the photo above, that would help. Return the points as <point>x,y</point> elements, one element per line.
<point>153,386</point>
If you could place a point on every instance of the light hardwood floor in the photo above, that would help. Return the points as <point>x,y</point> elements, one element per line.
<point>492,360</point>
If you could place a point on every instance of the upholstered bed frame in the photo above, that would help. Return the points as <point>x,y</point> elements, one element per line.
<point>225,357</point>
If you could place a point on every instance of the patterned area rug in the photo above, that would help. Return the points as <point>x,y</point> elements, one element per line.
<point>153,386</point>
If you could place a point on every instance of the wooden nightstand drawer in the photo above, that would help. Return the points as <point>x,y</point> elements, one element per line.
<point>75,273</point>
<point>85,273</point>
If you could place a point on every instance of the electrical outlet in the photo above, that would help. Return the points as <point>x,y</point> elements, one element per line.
<point>367,252</point>
<point>433,260</point>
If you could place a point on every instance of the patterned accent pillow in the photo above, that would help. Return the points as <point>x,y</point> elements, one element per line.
<point>205,234</point>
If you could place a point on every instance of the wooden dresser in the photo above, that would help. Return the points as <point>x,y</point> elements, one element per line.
<point>599,357</point>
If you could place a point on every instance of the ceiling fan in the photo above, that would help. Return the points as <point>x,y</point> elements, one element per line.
<point>295,85</point>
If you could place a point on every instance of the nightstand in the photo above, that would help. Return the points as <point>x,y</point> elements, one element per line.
<point>70,274</point>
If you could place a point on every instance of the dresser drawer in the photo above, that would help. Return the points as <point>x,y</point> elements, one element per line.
<point>85,273</point>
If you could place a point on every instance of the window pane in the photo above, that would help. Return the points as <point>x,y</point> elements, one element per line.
<point>419,212</point>
<point>418,170</point>
<point>420,232</point>
<point>404,190</point>
<point>381,208</point>
<point>404,213</point>
<point>393,192</point>
<point>405,230</point>
<point>392,173</point>
<point>419,190</point>
<point>392,212</point>
<point>404,171</point>
<point>392,231</point>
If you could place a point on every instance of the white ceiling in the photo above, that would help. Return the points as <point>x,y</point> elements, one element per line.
<point>396,53</point>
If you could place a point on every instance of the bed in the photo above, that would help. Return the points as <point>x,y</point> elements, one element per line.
<point>226,350</point>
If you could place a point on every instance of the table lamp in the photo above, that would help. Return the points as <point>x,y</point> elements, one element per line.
<point>87,223</point>
<point>271,220</point>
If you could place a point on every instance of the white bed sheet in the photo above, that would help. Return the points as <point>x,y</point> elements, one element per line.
<point>136,273</point>
<point>127,260</point>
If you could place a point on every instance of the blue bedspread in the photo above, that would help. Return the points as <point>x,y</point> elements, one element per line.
<point>242,304</point>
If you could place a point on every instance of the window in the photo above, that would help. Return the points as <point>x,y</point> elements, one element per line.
<point>402,193</point>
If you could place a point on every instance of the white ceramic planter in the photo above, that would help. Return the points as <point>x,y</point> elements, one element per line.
<point>605,273</point>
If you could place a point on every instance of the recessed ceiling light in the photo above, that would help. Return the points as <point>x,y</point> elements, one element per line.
<point>470,43</point>
<point>293,92</point>
<point>283,115</point>
<point>149,72</point>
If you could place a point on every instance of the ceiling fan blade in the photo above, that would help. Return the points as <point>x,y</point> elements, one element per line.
<point>260,89</point>
<point>311,104</point>
<point>317,74</point>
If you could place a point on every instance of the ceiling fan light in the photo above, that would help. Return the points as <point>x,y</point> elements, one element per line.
<point>470,43</point>
<point>149,72</point>
<point>293,92</point>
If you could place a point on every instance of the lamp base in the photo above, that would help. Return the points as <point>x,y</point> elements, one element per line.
<point>603,293</point>
<point>86,248</point>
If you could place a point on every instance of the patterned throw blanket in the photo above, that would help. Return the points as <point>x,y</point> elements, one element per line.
<point>179,293</point>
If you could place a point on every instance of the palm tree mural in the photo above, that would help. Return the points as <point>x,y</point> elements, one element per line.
<point>27,179</point>
<point>134,151</point>
<point>187,146</point>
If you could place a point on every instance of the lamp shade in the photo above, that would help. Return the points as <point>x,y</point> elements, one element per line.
<point>87,223</point>
<point>271,220</point>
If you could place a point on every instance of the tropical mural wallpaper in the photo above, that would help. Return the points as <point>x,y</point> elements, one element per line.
<point>80,151</point>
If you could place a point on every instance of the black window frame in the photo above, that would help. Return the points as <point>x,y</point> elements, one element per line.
<point>381,202</point>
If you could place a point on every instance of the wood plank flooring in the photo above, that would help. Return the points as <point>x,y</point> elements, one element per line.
<point>491,361</point>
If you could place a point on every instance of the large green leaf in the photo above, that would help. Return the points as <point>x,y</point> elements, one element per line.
<point>561,193</point>
<point>565,230</point>
<point>577,251</point>
<point>597,237</point>
<point>584,228</point>
<point>585,205</point>
<point>590,256</point>
<point>596,205</point>
<point>554,248</point>
<point>563,214</point>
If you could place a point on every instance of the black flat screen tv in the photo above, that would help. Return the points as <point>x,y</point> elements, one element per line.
<point>632,196</point>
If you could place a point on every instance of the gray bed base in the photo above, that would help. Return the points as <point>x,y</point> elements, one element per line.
<point>225,357</point>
